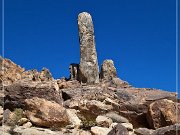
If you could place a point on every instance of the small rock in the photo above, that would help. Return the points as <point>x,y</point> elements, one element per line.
<point>168,130</point>
<point>100,130</point>
<point>74,120</point>
<point>143,131</point>
<point>113,125</point>
<point>119,130</point>
<point>27,125</point>
<point>104,121</point>
<point>117,118</point>
<point>128,126</point>
<point>22,121</point>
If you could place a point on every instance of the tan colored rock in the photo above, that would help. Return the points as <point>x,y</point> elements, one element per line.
<point>22,121</point>
<point>103,121</point>
<point>46,113</point>
<point>100,130</point>
<point>45,75</point>
<point>74,120</point>
<point>89,70</point>
<point>35,131</point>
<point>116,117</point>
<point>128,126</point>
<point>10,72</point>
<point>93,107</point>
<point>108,71</point>
<point>162,113</point>
<point>27,125</point>
<point>16,93</point>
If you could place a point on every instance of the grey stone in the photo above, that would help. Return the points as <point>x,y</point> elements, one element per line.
<point>74,71</point>
<point>89,71</point>
<point>143,131</point>
<point>117,118</point>
<point>108,71</point>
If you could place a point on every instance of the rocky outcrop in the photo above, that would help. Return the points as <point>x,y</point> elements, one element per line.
<point>16,93</point>
<point>119,129</point>
<point>83,104</point>
<point>46,113</point>
<point>163,113</point>
<point>9,72</point>
<point>108,71</point>
<point>74,71</point>
<point>89,72</point>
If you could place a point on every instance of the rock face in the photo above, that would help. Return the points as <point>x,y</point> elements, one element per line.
<point>46,113</point>
<point>9,72</point>
<point>89,72</point>
<point>108,71</point>
<point>16,93</point>
<point>74,71</point>
<point>163,113</point>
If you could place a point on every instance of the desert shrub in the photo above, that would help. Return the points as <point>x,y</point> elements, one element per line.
<point>16,116</point>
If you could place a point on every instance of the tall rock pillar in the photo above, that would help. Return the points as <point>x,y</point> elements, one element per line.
<point>89,70</point>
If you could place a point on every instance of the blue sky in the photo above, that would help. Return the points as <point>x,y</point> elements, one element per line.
<point>139,36</point>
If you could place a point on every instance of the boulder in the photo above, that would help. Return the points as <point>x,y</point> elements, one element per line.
<point>27,125</point>
<point>119,130</point>
<point>168,130</point>
<point>93,108</point>
<point>104,121</point>
<point>108,71</point>
<point>162,113</point>
<point>143,131</point>
<point>134,102</point>
<point>117,118</point>
<point>35,131</point>
<point>100,130</point>
<point>16,93</point>
<point>22,121</point>
<point>74,120</point>
<point>46,113</point>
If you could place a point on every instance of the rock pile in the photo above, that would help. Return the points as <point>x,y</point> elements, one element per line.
<point>88,103</point>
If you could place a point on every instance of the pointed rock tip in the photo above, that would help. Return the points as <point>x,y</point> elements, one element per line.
<point>84,14</point>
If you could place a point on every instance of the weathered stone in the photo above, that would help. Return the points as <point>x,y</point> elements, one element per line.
<point>74,120</point>
<point>9,72</point>
<point>163,113</point>
<point>27,125</point>
<point>74,71</point>
<point>45,75</point>
<point>22,121</point>
<point>134,103</point>
<point>100,130</point>
<point>117,118</point>
<point>104,121</point>
<point>35,131</point>
<point>108,71</point>
<point>16,93</point>
<point>34,75</point>
<point>128,126</point>
<point>89,72</point>
<point>93,108</point>
<point>168,130</point>
<point>119,130</point>
<point>46,113</point>
<point>143,131</point>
